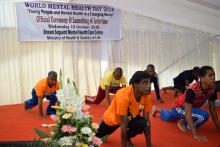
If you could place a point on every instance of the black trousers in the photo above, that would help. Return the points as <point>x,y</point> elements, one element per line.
<point>136,126</point>
<point>179,86</point>
<point>156,87</point>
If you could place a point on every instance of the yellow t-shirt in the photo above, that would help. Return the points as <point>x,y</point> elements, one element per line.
<point>109,80</point>
<point>43,89</point>
<point>124,101</point>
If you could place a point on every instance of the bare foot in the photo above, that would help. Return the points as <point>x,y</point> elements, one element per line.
<point>181,126</point>
<point>155,110</point>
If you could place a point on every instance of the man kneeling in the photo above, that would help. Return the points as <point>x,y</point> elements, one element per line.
<point>186,107</point>
<point>125,109</point>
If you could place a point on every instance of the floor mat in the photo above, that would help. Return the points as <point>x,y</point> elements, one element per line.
<point>18,125</point>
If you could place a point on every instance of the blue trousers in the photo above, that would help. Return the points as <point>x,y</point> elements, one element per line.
<point>199,116</point>
<point>34,101</point>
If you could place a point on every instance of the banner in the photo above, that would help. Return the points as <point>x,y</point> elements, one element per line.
<point>52,21</point>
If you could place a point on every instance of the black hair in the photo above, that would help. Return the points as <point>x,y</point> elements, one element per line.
<point>196,69</point>
<point>203,70</point>
<point>151,66</point>
<point>118,70</point>
<point>138,76</point>
<point>52,73</point>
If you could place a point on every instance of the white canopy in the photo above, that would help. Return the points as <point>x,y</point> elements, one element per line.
<point>203,15</point>
<point>200,15</point>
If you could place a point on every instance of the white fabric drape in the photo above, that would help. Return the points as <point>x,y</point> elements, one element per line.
<point>170,48</point>
<point>215,45</point>
<point>22,64</point>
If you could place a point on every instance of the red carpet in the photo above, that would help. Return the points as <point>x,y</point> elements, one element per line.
<point>17,125</point>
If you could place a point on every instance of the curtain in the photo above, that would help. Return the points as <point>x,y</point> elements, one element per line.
<point>215,45</point>
<point>170,48</point>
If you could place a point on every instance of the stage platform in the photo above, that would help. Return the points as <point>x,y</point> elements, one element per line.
<point>18,125</point>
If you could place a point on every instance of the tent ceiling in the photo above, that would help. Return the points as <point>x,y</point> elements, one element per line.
<point>213,4</point>
<point>202,15</point>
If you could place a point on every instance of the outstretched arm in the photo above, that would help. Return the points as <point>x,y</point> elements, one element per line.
<point>107,96</point>
<point>147,131</point>
<point>40,101</point>
<point>124,124</point>
<point>188,111</point>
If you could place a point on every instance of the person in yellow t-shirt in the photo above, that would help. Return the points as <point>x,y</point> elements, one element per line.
<point>125,109</point>
<point>112,81</point>
<point>45,88</point>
